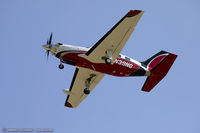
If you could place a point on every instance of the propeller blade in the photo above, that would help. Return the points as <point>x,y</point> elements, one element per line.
<point>49,44</point>
<point>47,52</point>
<point>50,38</point>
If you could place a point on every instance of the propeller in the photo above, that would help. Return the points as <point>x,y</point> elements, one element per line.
<point>48,45</point>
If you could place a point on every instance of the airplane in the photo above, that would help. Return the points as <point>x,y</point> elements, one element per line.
<point>104,58</point>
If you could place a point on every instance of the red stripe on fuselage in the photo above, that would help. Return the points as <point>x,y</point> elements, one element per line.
<point>120,67</point>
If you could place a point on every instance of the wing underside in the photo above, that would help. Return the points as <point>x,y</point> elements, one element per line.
<point>75,93</point>
<point>115,39</point>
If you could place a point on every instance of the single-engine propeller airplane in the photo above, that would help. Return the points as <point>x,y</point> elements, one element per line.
<point>105,58</point>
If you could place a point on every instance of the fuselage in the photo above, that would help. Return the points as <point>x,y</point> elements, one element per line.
<point>123,66</point>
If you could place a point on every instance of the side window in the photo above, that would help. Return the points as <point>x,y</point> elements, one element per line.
<point>119,56</point>
<point>128,59</point>
<point>58,44</point>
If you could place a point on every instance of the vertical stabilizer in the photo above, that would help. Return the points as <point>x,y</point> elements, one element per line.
<point>158,65</point>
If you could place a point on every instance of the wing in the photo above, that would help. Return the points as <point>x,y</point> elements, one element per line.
<point>115,39</point>
<point>75,93</point>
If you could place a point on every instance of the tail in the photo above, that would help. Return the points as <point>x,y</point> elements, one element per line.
<point>158,65</point>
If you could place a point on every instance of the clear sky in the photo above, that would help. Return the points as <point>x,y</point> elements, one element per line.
<point>31,87</point>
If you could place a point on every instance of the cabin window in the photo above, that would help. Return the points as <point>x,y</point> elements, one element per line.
<point>127,58</point>
<point>58,44</point>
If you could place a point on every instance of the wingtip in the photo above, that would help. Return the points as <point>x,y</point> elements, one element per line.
<point>67,104</point>
<point>132,13</point>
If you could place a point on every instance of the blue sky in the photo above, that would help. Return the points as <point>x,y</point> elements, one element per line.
<point>31,87</point>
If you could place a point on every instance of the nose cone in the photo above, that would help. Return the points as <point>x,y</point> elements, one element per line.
<point>46,47</point>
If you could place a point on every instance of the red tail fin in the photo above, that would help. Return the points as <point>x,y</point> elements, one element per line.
<point>158,66</point>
